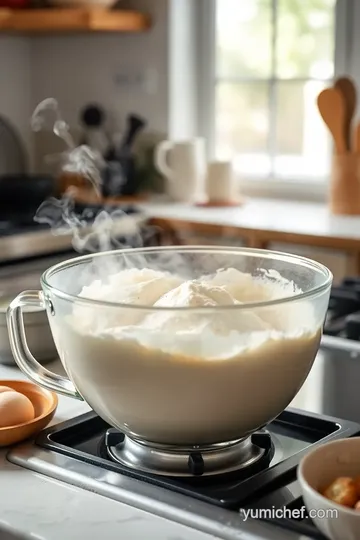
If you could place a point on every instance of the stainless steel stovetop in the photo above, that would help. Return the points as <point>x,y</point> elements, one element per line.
<point>76,452</point>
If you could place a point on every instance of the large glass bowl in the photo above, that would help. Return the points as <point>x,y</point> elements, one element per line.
<point>192,374</point>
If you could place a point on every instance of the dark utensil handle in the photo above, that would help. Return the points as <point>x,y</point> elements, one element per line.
<point>135,124</point>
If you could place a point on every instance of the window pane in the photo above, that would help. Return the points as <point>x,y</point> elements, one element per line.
<point>244,35</point>
<point>302,142</point>
<point>242,125</point>
<point>305,38</point>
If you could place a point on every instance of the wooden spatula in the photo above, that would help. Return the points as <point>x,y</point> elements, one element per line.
<point>356,142</point>
<point>347,88</point>
<point>331,106</point>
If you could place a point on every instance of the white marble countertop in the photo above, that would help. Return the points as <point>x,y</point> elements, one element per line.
<point>43,508</point>
<point>300,218</point>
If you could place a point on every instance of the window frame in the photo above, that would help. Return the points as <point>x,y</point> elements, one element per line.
<point>347,43</point>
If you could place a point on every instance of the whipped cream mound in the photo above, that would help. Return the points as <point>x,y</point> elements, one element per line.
<point>132,286</point>
<point>196,294</point>
<point>244,287</point>
<point>211,332</point>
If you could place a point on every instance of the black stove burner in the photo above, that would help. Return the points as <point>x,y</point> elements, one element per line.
<point>240,460</point>
<point>270,485</point>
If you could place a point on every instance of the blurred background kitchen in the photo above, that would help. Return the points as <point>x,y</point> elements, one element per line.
<point>208,118</point>
<point>244,76</point>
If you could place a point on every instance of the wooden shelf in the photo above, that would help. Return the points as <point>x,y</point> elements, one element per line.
<point>43,21</point>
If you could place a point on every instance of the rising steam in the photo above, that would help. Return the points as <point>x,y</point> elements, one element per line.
<point>47,114</point>
<point>92,230</point>
<point>80,160</point>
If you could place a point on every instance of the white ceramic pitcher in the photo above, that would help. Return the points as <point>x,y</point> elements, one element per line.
<point>184,166</point>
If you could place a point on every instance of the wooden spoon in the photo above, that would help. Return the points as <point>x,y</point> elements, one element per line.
<point>348,90</point>
<point>356,144</point>
<point>331,106</point>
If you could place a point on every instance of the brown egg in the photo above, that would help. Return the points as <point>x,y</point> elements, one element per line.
<point>15,408</point>
<point>6,389</point>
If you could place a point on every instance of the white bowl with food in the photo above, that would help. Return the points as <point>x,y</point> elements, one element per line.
<point>181,345</point>
<point>329,477</point>
<point>37,330</point>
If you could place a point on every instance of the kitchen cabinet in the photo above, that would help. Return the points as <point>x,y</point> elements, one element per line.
<point>306,229</point>
<point>336,261</point>
<point>340,264</point>
<point>194,239</point>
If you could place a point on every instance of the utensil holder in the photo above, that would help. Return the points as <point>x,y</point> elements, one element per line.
<point>344,192</point>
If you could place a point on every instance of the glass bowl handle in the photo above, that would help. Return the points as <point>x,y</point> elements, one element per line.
<point>23,357</point>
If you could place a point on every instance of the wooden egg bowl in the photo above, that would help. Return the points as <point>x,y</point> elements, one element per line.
<point>44,403</point>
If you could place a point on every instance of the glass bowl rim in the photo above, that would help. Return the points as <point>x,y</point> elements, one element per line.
<point>264,253</point>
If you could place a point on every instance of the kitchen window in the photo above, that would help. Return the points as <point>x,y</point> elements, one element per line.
<point>264,63</point>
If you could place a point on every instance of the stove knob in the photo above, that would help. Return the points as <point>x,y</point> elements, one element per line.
<point>352,326</point>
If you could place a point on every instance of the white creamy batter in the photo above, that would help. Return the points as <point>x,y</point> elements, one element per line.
<point>209,374</point>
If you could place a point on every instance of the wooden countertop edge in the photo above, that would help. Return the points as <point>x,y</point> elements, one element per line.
<point>258,236</point>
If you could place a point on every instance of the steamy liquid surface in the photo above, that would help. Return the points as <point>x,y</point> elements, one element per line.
<point>185,376</point>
